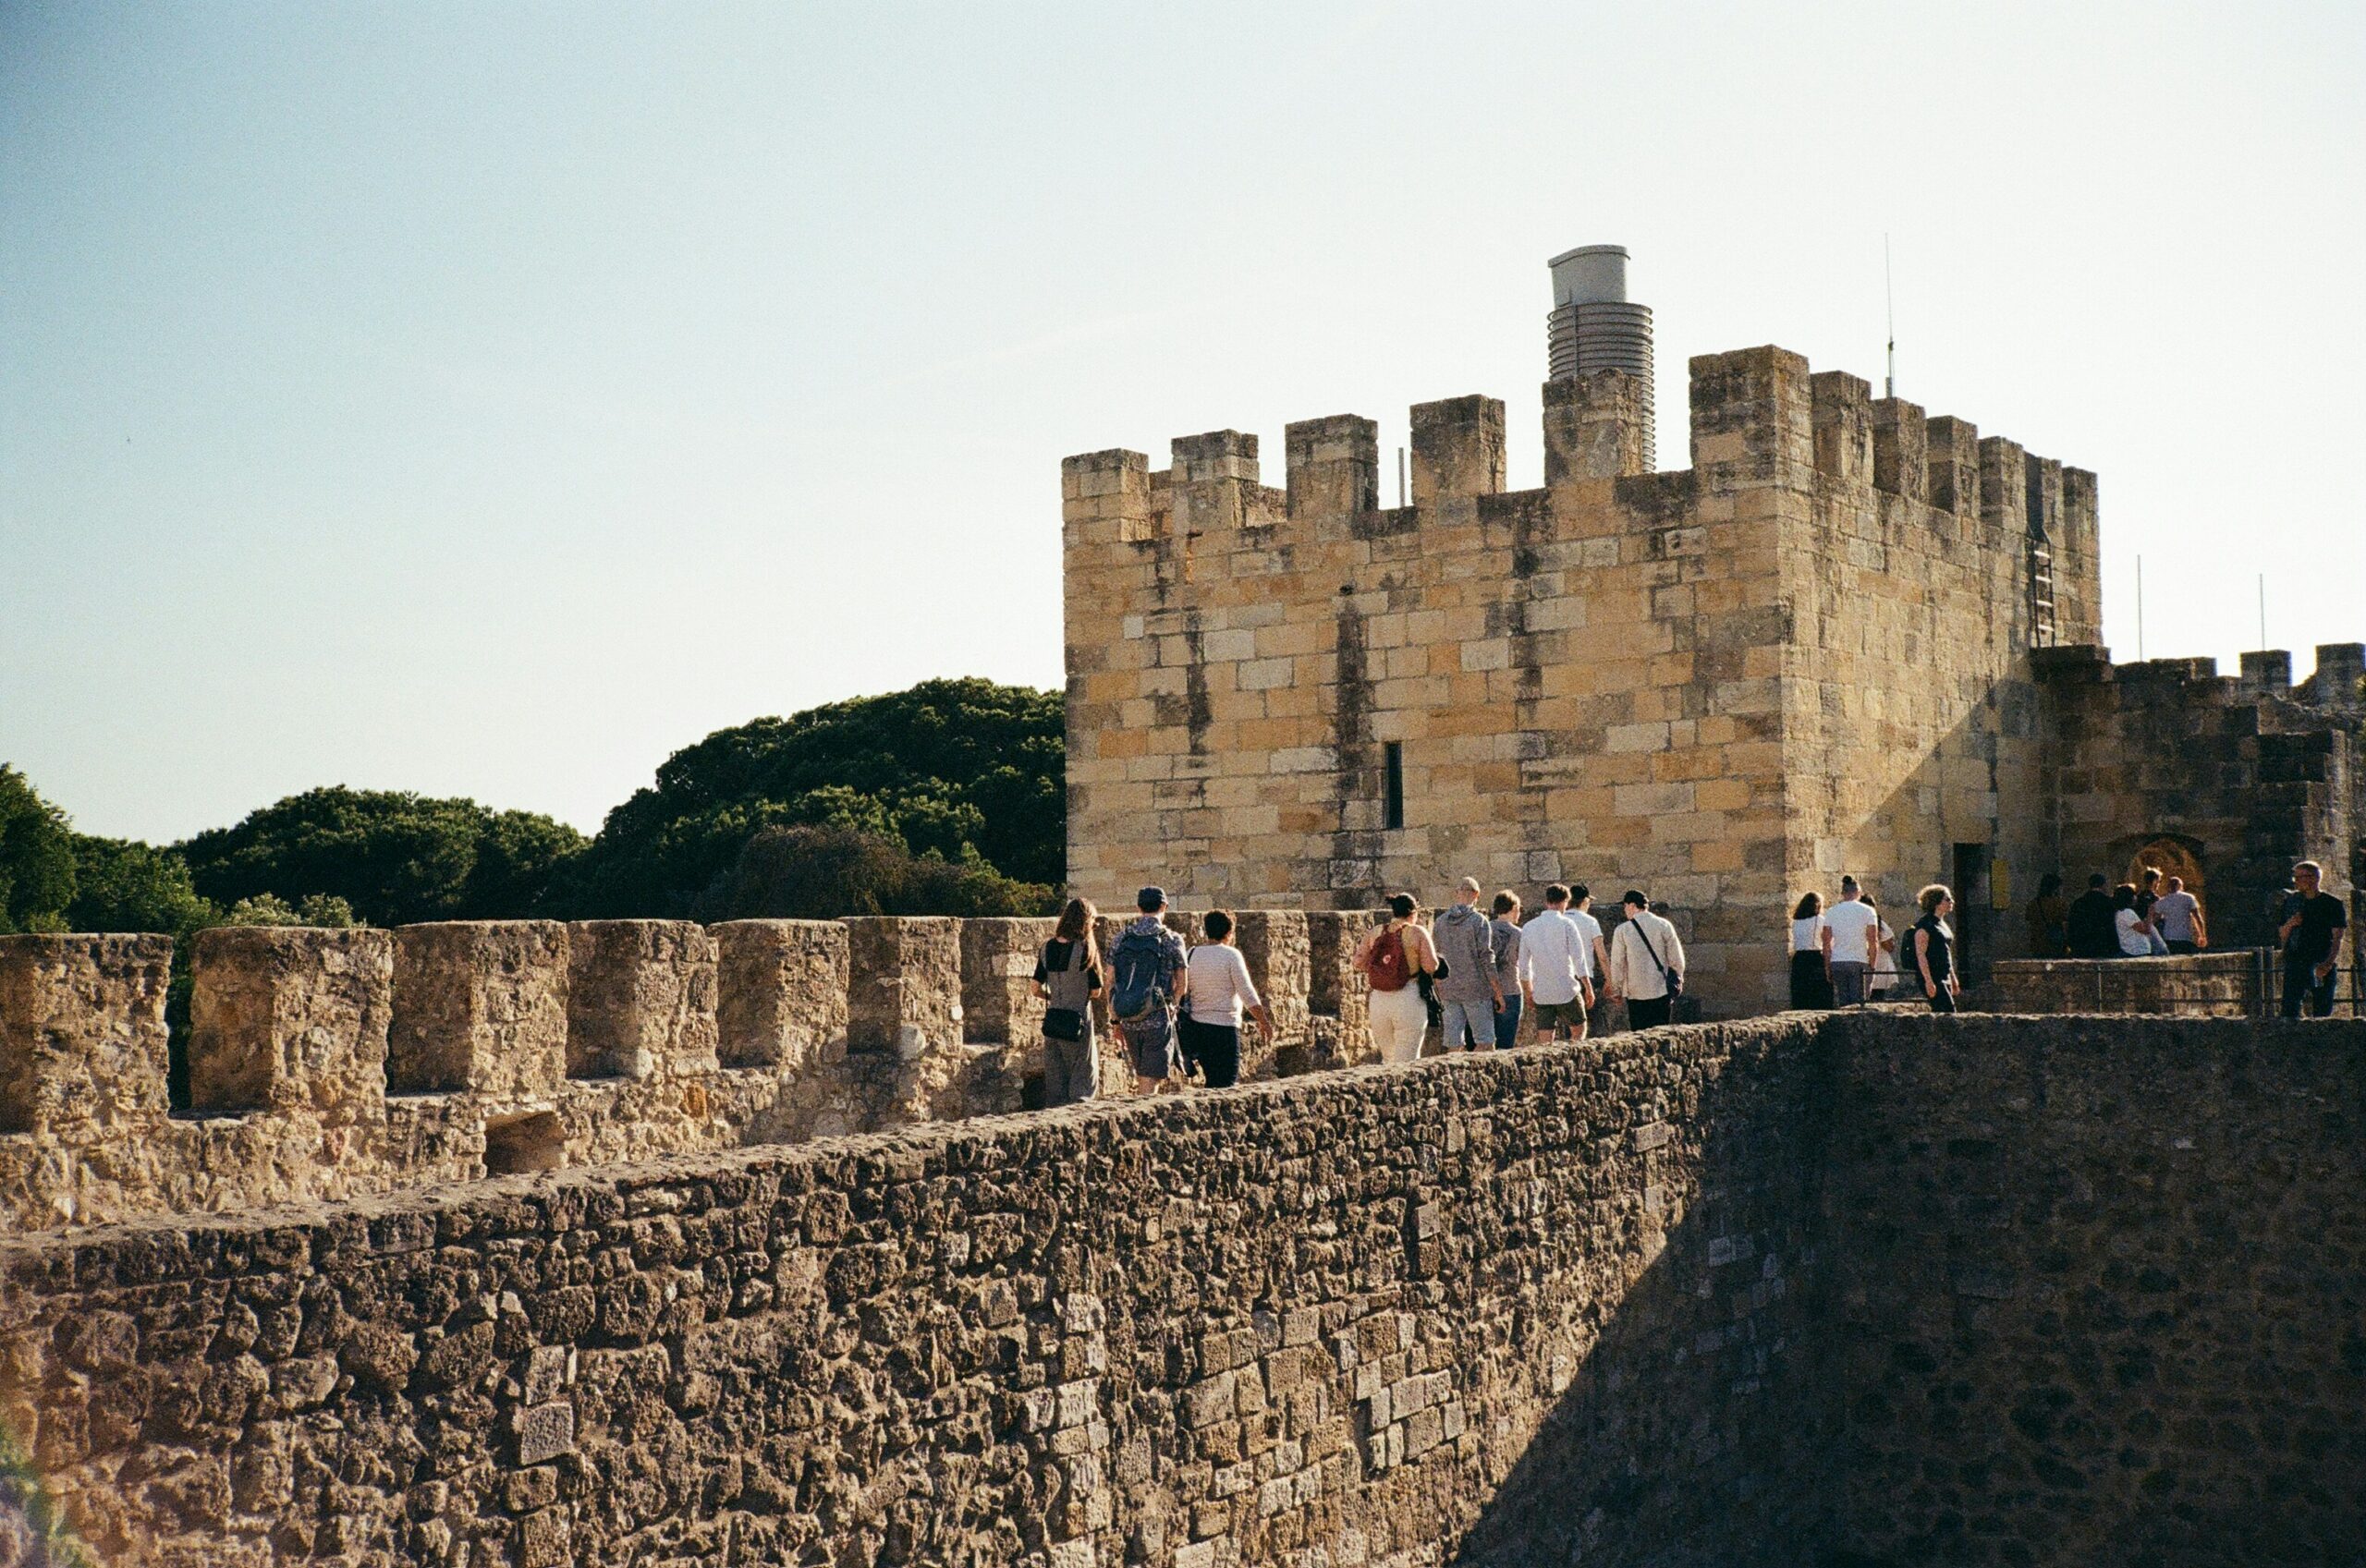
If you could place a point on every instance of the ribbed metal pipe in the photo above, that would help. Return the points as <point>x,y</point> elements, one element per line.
<point>1593,326</point>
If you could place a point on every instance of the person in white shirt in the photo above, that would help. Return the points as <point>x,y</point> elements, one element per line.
<point>1554,969</point>
<point>1645,955</point>
<point>1811,955</point>
<point>1219,988</point>
<point>1850,944</point>
<point>1597,958</point>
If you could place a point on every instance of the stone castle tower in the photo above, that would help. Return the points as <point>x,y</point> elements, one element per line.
<point>1822,647</point>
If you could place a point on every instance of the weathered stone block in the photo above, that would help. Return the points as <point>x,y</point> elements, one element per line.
<point>998,1001</point>
<point>1597,426</point>
<point>640,999</point>
<point>904,996</point>
<point>287,1018</point>
<point>82,1037</point>
<point>781,992</point>
<point>1458,450</point>
<point>480,1005</point>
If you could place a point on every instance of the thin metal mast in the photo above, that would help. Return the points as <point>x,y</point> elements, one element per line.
<point>1889,312</point>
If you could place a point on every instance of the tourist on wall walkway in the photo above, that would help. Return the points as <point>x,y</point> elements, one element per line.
<point>2048,916</point>
<point>1646,962</point>
<point>1390,959</point>
<point>1147,979</point>
<point>1467,996</point>
<point>2310,932</point>
<point>1553,969</point>
<point>2130,930</point>
<point>1594,965</point>
<point>1811,955</point>
<point>1934,944</point>
<point>1882,985</point>
<point>1068,977</point>
<point>1851,930</point>
<point>2088,922</point>
<point>1219,988</point>
<point>1505,926</point>
<point>2177,917</point>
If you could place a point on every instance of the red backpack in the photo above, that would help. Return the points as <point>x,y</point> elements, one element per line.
<point>1387,967</point>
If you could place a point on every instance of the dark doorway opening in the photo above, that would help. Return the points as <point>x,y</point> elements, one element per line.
<point>1971,922</point>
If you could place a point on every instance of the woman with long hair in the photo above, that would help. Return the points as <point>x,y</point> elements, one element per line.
<point>1068,977</point>
<point>1811,955</point>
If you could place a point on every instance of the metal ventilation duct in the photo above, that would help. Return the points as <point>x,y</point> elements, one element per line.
<point>1592,327</point>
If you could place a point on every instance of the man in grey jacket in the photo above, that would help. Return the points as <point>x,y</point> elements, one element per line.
<point>1469,994</point>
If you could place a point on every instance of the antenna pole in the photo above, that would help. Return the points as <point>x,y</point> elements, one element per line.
<point>2262,612</point>
<point>1400,477</point>
<point>1889,313</point>
<point>2140,609</point>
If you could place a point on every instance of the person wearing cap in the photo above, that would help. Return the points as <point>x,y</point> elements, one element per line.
<point>1851,939</point>
<point>1147,978</point>
<point>1467,994</point>
<point>1646,962</point>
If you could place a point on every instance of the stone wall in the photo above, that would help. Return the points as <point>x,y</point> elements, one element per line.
<point>1539,1305</point>
<point>1869,1290</point>
<point>335,1064</point>
<point>2104,1291</point>
<point>2202,985</point>
<point>1807,653</point>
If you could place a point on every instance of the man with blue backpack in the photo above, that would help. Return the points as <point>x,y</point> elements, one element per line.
<point>1147,979</point>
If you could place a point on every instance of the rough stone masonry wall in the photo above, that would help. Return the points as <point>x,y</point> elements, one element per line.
<point>2200,985</point>
<point>332,1064</point>
<point>2104,1291</point>
<point>1506,1309</point>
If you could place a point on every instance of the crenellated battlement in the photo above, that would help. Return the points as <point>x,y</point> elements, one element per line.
<point>332,1064</point>
<point>1620,676</point>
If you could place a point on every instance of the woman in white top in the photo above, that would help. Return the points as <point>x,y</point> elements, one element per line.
<point>1219,988</point>
<point>2135,931</point>
<point>1885,976</point>
<point>1811,955</point>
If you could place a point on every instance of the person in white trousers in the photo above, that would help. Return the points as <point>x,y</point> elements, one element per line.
<point>1390,959</point>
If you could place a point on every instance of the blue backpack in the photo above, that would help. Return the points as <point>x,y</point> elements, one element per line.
<point>1138,965</point>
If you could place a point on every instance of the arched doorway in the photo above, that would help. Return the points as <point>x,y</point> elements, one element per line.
<point>2172,854</point>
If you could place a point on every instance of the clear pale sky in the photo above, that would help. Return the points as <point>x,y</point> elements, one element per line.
<point>489,399</point>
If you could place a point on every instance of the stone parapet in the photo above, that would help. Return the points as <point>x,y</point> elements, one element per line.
<point>342,1064</point>
<point>2202,984</point>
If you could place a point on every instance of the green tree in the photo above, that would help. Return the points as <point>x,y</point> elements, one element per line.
<point>124,886</point>
<point>819,874</point>
<point>392,858</point>
<point>36,858</point>
<point>966,772</point>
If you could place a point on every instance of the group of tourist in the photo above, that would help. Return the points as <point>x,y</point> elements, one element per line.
<point>2155,917</point>
<point>1178,1008</point>
<point>2148,917</point>
<point>1844,954</point>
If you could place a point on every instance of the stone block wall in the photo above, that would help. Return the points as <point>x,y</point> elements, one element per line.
<point>338,1064</point>
<point>2202,984</point>
<point>2101,1291</point>
<point>1525,1307</point>
<point>1808,653</point>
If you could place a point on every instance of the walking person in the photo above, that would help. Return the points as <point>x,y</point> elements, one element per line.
<point>1935,945</point>
<point>1220,988</point>
<point>1646,962</point>
<point>2089,922</point>
<point>2176,916</point>
<point>1882,984</point>
<point>1068,977</point>
<point>1147,978</point>
<point>1852,928</point>
<point>1596,965</point>
<point>2310,933</point>
<point>1508,941</point>
<point>1468,995</point>
<point>1390,959</point>
<point>2048,916</point>
<point>1553,969</point>
<point>1811,955</point>
<point>2132,932</point>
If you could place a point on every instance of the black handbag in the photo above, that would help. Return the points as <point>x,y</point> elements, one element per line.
<point>1063,1023</point>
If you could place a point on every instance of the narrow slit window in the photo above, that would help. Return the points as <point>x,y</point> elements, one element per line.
<point>1393,755</point>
